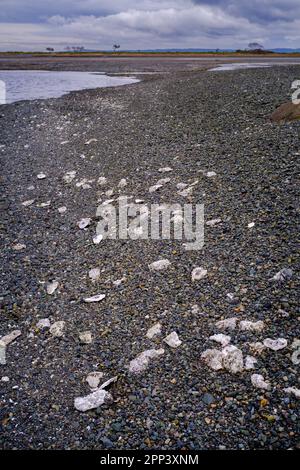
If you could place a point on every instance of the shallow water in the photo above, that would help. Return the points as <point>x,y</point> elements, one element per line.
<point>239,66</point>
<point>35,84</point>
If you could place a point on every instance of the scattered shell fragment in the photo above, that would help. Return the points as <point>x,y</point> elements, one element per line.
<point>228,323</point>
<point>213,222</point>
<point>186,192</point>
<point>210,174</point>
<point>250,362</point>
<point>69,176</point>
<point>57,328</point>
<point>93,379</point>
<point>160,265</point>
<point>198,274</point>
<point>173,340</point>
<point>284,275</point>
<point>293,391</point>
<point>44,204</point>
<point>94,274</point>
<point>88,142</point>
<point>85,337</point>
<point>165,169</point>
<point>83,223</point>
<point>97,239</point>
<point>5,341</point>
<point>41,176</point>
<point>51,287</point>
<point>102,180</point>
<point>251,224</point>
<point>295,357</point>
<point>95,298</point>
<point>84,184</point>
<point>108,382</point>
<point>232,359</point>
<point>62,209</point>
<point>181,185</point>
<point>122,183</point>
<point>246,325</point>
<point>118,282</point>
<point>224,340</point>
<point>155,330</point>
<point>257,348</point>
<point>213,358</point>
<point>43,323</point>
<point>94,400</point>
<point>19,247</point>
<point>141,362</point>
<point>258,381</point>
<point>28,203</point>
<point>155,187</point>
<point>275,344</point>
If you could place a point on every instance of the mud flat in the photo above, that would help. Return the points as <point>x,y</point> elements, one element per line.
<point>60,159</point>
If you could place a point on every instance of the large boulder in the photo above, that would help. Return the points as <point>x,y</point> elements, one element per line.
<point>286,112</point>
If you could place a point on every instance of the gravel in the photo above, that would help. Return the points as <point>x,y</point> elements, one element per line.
<point>209,126</point>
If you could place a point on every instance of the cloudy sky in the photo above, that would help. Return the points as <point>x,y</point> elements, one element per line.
<point>148,24</point>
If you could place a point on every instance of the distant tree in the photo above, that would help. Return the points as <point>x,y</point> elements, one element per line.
<point>49,49</point>
<point>116,47</point>
<point>255,46</point>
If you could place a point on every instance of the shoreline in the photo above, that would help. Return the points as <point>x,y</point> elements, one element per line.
<point>194,123</point>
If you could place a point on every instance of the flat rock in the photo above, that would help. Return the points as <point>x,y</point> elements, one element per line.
<point>160,265</point>
<point>173,340</point>
<point>198,274</point>
<point>258,381</point>
<point>155,330</point>
<point>57,329</point>
<point>275,344</point>
<point>141,362</point>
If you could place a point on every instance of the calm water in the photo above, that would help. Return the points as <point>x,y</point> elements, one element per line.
<point>31,85</point>
<point>239,66</point>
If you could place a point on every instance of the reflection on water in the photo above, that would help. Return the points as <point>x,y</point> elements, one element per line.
<point>35,84</point>
<point>239,66</point>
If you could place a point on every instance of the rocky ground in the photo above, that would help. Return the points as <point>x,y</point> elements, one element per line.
<point>213,131</point>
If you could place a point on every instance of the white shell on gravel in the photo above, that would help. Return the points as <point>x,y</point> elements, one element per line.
<point>155,187</point>
<point>198,274</point>
<point>258,381</point>
<point>43,323</point>
<point>224,340</point>
<point>85,183</point>
<point>28,203</point>
<point>233,359</point>
<point>93,379</point>
<point>181,185</point>
<point>83,223</point>
<point>108,382</point>
<point>295,357</point>
<point>246,325</point>
<point>102,180</point>
<point>69,176</point>
<point>109,192</point>
<point>160,265</point>
<point>186,192</point>
<point>173,340</point>
<point>44,204</point>
<point>251,224</point>
<point>88,142</point>
<point>213,358</point>
<point>95,399</point>
<point>19,246</point>
<point>275,344</point>
<point>155,330</point>
<point>210,174</point>
<point>122,183</point>
<point>62,209</point>
<point>85,337</point>
<point>95,298</point>
<point>166,169</point>
<point>118,282</point>
<point>97,239</point>
<point>57,329</point>
<point>51,287</point>
<point>228,323</point>
<point>284,275</point>
<point>293,391</point>
<point>250,362</point>
<point>41,176</point>
<point>5,341</point>
<point>94,274</point>
<point>141,362</point>
<point>213,222</point>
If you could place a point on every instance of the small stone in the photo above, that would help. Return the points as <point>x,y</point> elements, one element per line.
<point>5,379</point>
<point>213,222</point>
<point>122,183</point>
<point>19,247</point>
<point>69,176</point>
<point>62,209</point>
<point>85,337</point>
<point>275,344</point>
<point>95,298</point>
<point>97,239</point>
<point>233,359</point>
<point>222,339</point>
<point>173,340</point>
<point>213,358</point>
<point>28,203</point>
<point>41,176</point>
<point>284,275</point>
<point>258,381</point>
<point>165,169</point>
<point>293,390</point>
<point>210,174</point>
<point>208,398</point>
<point>155,330</point>
<point>57,328</point>
<point>198,274</point>
<point>102,181</point>
<point>257,347</point>
<point>251,224</point>
<point>95,399</point>
<point>160,265</point>
<point>250,362</point>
